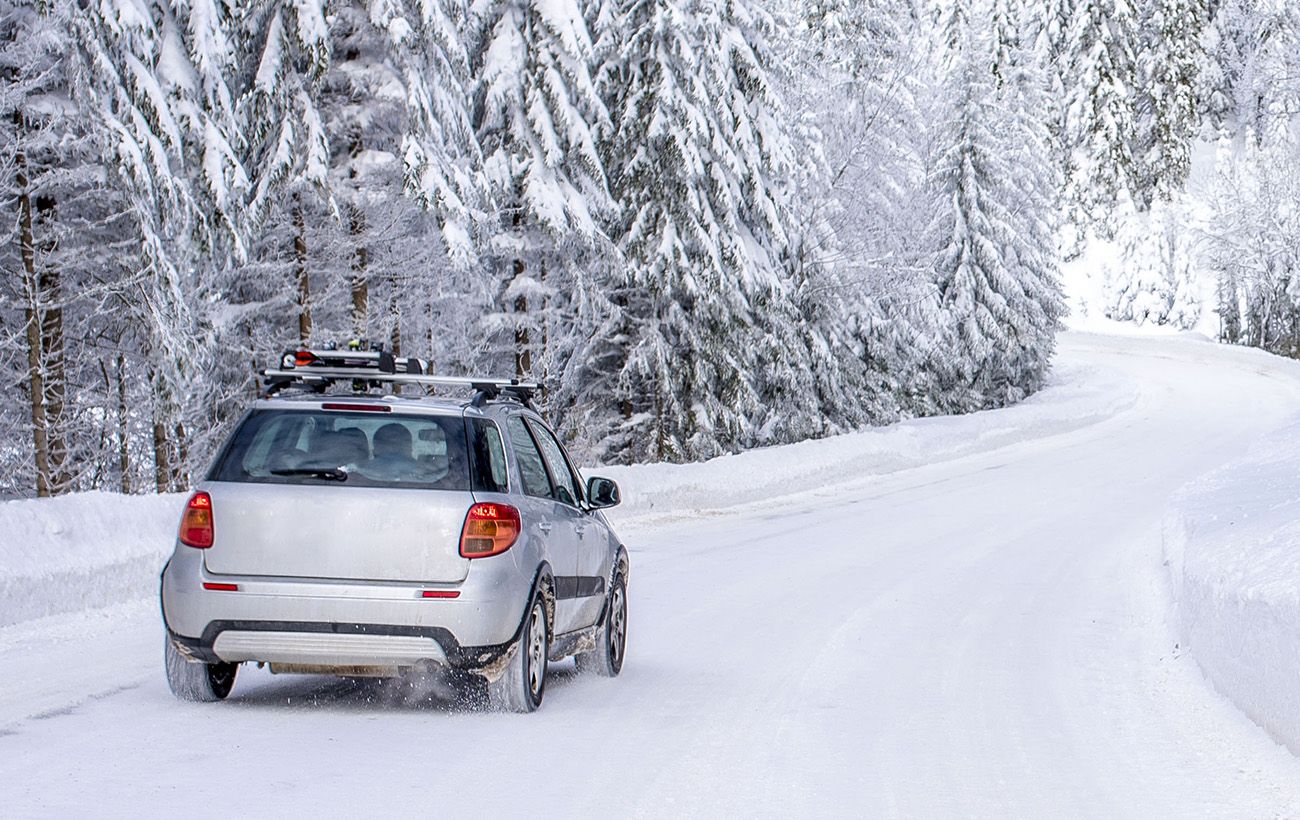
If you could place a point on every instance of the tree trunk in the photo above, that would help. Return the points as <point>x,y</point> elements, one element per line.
<point>359,285</point>
<point>395,311</point>
<point>180,468</point>
<point>546,322</point>
<point>161,463</point>
<point>123,427</point>
<point>52,349</point>
<point>523,356</point>
<point>162,460</point>
<point>32,321</point>
<point>300,266</point>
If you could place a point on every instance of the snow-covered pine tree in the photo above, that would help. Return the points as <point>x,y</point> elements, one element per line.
<point>695,155</point>
<point>159,76</point>
<point>1101,119</point>
<point>1167,66</point>
<point>859,221</point>
<point>1008,18</point>
<point>1035,185</point>
<point>284,52</point>
<point>535,114</point>
<point>995,267</point>
<point>1154,282</point>
<point>363,103</point>
<point>439,150</point>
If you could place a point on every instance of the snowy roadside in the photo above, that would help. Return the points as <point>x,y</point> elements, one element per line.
<point>1232,546</point>
<point>94,550</point>
<point>81,552</point>
<point>1077,396</point>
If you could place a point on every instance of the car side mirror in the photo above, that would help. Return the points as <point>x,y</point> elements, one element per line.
<point>602,493</point>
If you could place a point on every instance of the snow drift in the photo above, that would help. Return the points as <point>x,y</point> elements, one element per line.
<point>82,551</point>
<point>1232,545</point>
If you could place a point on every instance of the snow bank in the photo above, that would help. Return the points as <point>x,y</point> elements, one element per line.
<point>97,549</point>
<point>1232,545</point>
<point>82,551</point>
<point>1077,396</point>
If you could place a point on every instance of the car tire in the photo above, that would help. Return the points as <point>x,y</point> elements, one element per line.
<point>195,680</point>
<point>522,686</point>
<point>606,659</point>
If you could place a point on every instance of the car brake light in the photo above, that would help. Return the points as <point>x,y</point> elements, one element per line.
<point>304,358</point>
<point>357,408</point>
<point>196,523</point>
<point>490,529</point>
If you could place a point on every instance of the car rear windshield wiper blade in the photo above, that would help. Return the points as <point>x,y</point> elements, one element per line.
<point>327,473</point>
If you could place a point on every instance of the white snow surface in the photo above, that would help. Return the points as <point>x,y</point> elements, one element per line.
<point>1232,543</point>
<point>963,616</point>
<point>82,551</point>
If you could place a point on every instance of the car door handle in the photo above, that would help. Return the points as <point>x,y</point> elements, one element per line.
<point>544,526</point>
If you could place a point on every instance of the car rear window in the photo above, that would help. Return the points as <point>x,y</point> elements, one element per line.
<point>351,449</point>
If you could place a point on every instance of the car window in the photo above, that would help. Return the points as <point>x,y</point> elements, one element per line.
<point>487,457</point>
<point>531,467</point>
<point>567,486</point>
<point>372,449</point>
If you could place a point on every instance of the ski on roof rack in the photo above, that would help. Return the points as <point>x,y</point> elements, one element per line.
<point>318,369</point>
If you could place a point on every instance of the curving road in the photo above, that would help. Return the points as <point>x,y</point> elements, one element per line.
<point>985,636</point>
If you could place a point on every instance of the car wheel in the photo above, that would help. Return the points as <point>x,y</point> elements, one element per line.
<point>606,659</point>
<point>521,687</point>
<point>196,680</point>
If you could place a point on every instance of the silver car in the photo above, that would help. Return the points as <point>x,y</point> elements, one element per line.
<point>370,534</point>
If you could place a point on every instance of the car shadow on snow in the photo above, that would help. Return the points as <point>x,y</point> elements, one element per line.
<point>258,689</point>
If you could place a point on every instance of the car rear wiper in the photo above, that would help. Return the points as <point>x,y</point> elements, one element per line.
<point>327,473</point>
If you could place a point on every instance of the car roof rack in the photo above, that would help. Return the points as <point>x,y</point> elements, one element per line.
<point>319,369</point>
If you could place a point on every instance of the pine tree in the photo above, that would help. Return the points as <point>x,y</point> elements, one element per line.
<point>695,154</point>
<point>1101,119</point>
<point>1167,69</point>
<point>995,272</point>
<point>535,114</point>
<point>439,150</point>
<point>160,79</point>
<point>1155,283</point>
<point>861,233</point>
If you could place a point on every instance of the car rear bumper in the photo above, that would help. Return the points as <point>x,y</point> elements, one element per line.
<point>316,623</point>
<point>335,645</point>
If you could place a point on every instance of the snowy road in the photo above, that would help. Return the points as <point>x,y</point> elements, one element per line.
<point>984,636</point>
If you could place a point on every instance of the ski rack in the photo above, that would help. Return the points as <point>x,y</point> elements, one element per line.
<point>317,370</point>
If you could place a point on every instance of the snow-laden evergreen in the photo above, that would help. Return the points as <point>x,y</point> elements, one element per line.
<point>1154,281</point>
<point>1101,119</point>
<point>536,113</point>
<point>703,220</point>
<point>1167,71</point>
<point>995,271</point>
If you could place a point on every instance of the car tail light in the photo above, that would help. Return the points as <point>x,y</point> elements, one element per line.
<point>490,529</point>
<point>196,523</point>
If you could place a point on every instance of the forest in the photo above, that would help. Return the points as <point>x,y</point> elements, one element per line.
<point>703,225</point>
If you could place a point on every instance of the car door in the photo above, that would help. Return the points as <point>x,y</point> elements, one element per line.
<point>593,541</point>
<point>547,518</point>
